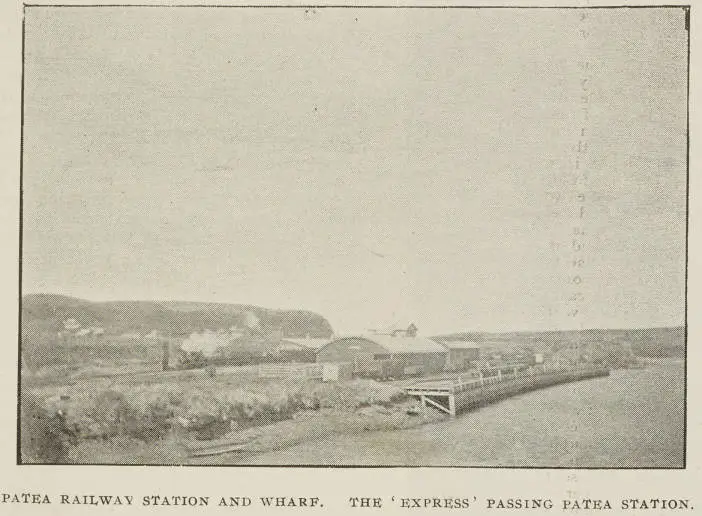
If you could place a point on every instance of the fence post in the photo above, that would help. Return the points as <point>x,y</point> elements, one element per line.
<point>165,355</point>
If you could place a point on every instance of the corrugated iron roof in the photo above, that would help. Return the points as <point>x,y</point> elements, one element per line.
<point>402,344</point>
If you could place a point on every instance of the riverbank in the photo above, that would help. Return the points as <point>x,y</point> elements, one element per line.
<point>305,428</point>
<point>155,421</point>
<point>633,418</point>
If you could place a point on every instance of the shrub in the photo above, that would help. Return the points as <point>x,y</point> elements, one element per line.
<point>45,436</point>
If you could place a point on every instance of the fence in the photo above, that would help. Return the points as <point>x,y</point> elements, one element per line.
<point>296,371</point>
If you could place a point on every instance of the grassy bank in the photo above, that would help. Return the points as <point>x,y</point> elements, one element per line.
<point>148,421</point>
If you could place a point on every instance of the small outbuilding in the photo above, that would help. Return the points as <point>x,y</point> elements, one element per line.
<point>461,353</point>
<point>392,355</point>
<point>336,372</point>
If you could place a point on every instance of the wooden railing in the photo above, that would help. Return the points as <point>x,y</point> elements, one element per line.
<point>461,383</point>
<point>460,394</point>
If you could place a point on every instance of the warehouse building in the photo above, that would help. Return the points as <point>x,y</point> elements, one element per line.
<point>382,356</point>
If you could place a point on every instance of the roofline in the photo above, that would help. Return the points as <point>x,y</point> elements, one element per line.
<point>345,337</point>
<point>369,338</point>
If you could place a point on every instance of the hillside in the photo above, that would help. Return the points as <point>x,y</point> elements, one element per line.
<point>47,313</point>
<point>644,342</point>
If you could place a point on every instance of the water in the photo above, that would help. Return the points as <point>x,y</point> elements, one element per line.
<point>633,418</point>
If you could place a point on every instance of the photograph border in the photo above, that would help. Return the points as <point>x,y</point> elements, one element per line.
<point>685,7</point>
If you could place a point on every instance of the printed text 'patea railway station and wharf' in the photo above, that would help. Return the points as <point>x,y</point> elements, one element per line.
<point>354,502</point>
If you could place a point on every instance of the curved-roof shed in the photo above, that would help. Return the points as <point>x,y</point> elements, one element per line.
<point>397,344</point>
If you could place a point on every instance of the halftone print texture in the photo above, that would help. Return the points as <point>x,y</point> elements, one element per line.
<point>344,237</point>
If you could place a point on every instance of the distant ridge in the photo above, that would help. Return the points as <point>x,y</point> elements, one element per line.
<point>651,342</point>
<point>48,312</point>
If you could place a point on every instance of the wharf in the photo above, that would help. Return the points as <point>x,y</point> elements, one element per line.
<point>457,395</point>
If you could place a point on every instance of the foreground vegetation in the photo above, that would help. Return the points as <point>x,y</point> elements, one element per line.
<point>184,407</point>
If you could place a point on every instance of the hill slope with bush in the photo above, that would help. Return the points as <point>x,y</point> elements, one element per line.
<point>47,313</point>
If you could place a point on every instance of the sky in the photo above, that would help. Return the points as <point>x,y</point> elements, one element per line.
<point>466,169</point>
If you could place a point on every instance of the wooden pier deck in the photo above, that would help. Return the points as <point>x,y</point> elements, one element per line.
<point>460,394</point>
